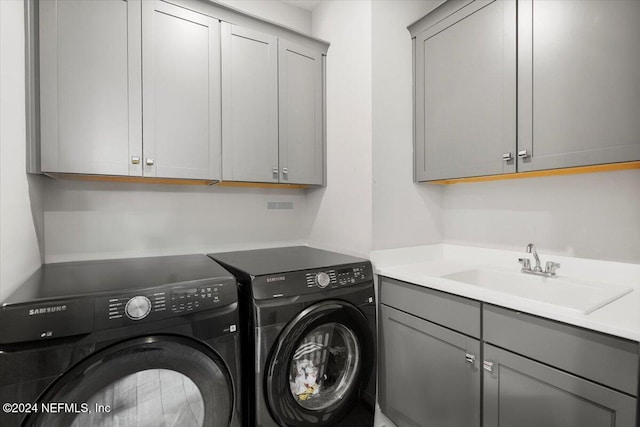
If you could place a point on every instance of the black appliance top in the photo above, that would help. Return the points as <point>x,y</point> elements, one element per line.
<point>77,298</point>
<point>88,278</point>
<point>262,262</point>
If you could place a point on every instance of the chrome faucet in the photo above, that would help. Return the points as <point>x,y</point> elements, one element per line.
<point>531,248</point>
<point>550,266</point>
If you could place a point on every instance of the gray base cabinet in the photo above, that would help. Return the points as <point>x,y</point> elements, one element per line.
<point>431,374</point>
<point>438,368</point>
<point>520,392</point>
<point>429,371</point>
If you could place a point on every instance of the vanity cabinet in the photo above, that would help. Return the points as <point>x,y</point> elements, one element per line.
<point>535,372</point>
<point>90,86</point>
<point>577,67</point>
<point>272,109</point>
<point>542,373</point>
<point>430,370</point>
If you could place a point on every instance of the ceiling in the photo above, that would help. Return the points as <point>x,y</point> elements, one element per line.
<point>303,4</point>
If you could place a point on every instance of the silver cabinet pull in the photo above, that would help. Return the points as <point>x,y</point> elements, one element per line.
<point>523,154</point>
<point>470,358</point>
<point>488,366</point>
<point>507,156</point>
<point>285,173</point>
<point>275,173</point>
<point>135,160</point>
<point>149,162</point>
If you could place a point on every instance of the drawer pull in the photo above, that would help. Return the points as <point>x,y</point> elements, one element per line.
<point>488,366</point>
<point>470,358</point>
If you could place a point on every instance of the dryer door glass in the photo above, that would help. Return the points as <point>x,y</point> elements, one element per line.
<point>147,381</point>
<point>324,366</point>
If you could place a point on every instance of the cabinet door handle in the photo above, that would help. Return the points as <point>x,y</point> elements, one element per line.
<point>275,173</point>
<point>149,162</point>
<point>285,174</point>
<point>470,358</point>
<point>523,154</point>
<point>507,156</point>
<point>135,160</point>
<point>488,366</point>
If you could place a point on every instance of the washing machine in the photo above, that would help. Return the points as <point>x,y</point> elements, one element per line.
<point>136,342</point>
<point>308,328</point>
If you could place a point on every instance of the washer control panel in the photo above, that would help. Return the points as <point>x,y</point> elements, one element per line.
<point>163,302</point>
<point>310,281</point>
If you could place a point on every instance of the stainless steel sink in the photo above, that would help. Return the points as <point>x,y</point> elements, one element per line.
<point>581,296</point>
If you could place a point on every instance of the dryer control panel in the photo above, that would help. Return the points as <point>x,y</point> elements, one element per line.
<point>162,302</point>
<point>311,281</point>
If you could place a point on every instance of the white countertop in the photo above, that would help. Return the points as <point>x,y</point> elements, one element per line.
<point>426,266</point>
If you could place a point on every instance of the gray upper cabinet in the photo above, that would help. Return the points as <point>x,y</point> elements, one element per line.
<point>579,83</point>
<point>577,86</point>
<point>300,116</point>
<point>465,90</point>
<point>272,109</point>
<point>90,86</point>
<point>249,105</point>
<point>181,63</point>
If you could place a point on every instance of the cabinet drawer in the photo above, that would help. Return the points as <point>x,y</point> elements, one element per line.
<point>444,309</point>
<point>601,358</point>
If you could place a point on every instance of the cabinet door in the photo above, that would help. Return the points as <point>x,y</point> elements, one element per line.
<point>578,83</point>
<point>181,60</point>
<point>521,392</point>
<point>427,377</point>
<point>249,105</point>
<point>465,83</point>
<point>300,114</point>
<point>90,86</point>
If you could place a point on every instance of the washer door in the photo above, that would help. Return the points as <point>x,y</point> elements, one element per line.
<point>321,362</point>
<point>147,381</point>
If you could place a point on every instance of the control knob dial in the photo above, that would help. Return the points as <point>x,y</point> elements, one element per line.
<point>137,307</point>
<point>323,279</point>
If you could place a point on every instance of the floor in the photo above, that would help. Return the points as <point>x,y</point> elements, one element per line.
<point>153,398</point>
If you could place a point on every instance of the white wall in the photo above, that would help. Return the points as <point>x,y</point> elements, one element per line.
<point>593,216</point>
<point>110,220</point>
<point>342,210</point>
<point>276,11</point>
<point>404,213</point>
<point>20,195</point>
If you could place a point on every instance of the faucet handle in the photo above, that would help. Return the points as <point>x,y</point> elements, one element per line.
<point>551,267</point>
<point>526,263</point>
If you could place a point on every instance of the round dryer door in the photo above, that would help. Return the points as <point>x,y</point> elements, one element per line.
<point>321,362</point>
<point>148,381</point>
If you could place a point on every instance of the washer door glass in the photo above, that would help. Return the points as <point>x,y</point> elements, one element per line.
<point>148,381</point>
<point>324,366</point>
<point>319,365</point>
